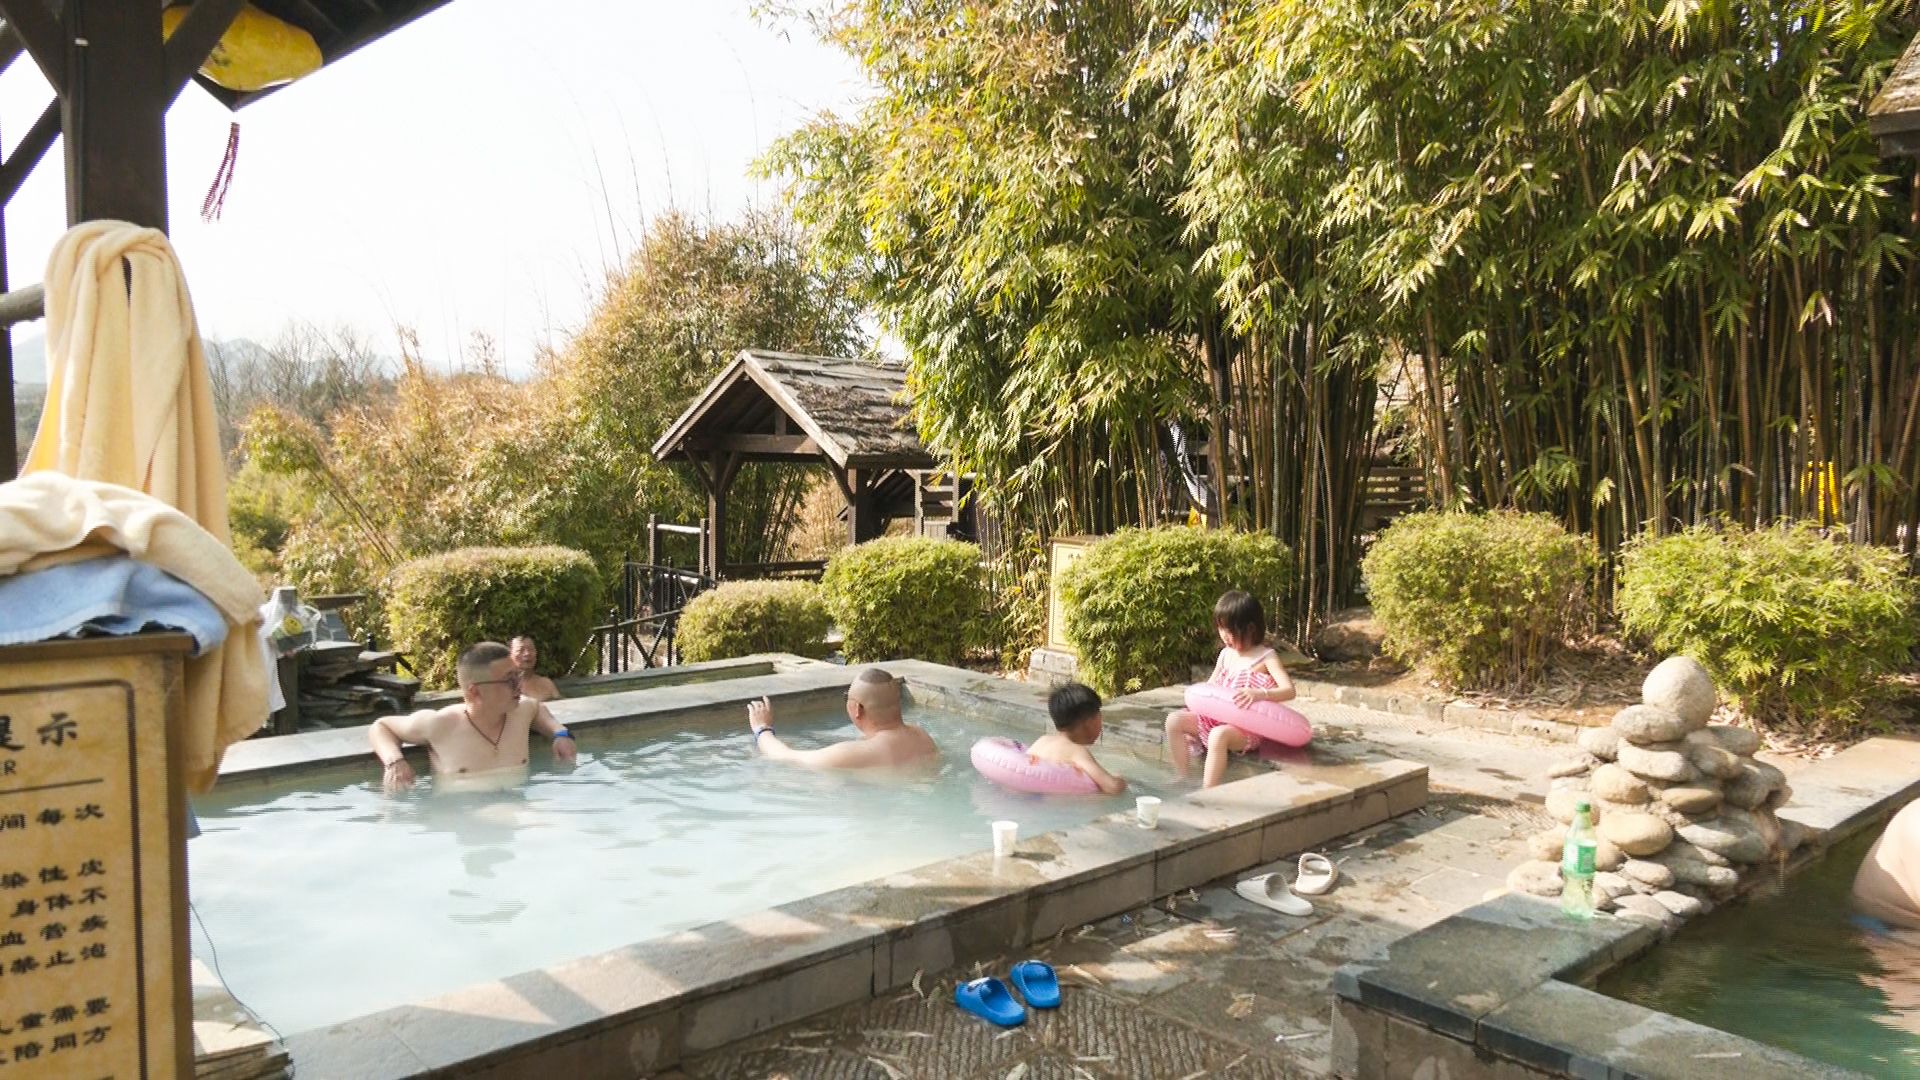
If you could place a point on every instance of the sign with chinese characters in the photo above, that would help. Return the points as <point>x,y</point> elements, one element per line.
<point>1065,552</point>
<point>93,960</point>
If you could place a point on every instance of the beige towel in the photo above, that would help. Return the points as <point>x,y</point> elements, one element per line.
<point>128,398</point>
<point>48,518</point>
<point>129,404</point>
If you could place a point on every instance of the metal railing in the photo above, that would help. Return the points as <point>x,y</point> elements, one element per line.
<point>642,630</point>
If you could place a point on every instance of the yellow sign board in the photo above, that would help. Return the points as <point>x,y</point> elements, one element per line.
<point>1064,552</point>
<point>93,969</point>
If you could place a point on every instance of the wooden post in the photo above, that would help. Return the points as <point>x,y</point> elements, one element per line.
<point>863,518</point>
<point>716,475</point>
<point>113,112</point>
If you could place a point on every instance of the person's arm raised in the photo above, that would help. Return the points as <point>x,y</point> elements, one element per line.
<point>852,754</point>
<point>388,734</point>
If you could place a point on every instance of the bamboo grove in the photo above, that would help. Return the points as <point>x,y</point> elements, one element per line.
<point>1636,264</point>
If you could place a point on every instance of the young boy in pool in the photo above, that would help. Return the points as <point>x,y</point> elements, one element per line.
<point>1076,719</point>
<point>1246,666</point>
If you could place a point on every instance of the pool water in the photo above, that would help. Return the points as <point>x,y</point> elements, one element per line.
<point>1793,969</point>
<point>323,898</point>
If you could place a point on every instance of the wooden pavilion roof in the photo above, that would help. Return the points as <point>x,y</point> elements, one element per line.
<point>338,27</point>
<point>1894,115</point>
<point>774,406</point>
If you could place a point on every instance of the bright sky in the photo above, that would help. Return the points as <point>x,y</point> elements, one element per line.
<point>477,171</point>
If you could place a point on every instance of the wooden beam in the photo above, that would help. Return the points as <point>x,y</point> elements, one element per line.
<point>40,31</point>
<point>10,46</point>
<point>194,38</point>
<point>798,445</point>
<point>23,305</point>
<point>33,146</point>
<point>113,111</point>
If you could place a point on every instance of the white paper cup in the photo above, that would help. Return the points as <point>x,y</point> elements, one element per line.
<point>1004,835</point>
<point>1146,810</point>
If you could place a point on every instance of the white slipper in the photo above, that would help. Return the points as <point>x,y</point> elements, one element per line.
<point>1270,891</point>
<point>1317,874</point>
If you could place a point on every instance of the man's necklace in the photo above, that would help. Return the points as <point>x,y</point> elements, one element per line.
<point>495,740</point>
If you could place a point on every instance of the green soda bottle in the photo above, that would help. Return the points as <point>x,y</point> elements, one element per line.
<point>1576,863</point>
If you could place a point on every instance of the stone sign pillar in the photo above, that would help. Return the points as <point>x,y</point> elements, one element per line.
<point>93,906</point>
<point>1056,662</point>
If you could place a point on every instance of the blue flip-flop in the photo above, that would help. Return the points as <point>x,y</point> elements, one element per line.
<point>989,1000</point>
<point>1037,984</point>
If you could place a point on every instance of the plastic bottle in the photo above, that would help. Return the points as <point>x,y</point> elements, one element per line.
<point>1576,864</point>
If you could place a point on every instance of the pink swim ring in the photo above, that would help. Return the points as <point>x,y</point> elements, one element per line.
<point>1006,763</point>
<point>1267,719</point>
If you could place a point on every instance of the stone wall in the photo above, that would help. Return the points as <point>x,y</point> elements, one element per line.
<point>1682,807</point>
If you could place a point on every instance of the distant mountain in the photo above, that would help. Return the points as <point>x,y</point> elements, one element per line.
<point>30,357</point>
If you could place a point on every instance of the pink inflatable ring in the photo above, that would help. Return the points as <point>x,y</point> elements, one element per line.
<point>1005,762</point>
<point>1267,719</point>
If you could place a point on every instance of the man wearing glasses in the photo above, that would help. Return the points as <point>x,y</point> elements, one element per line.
<point>483,738</point>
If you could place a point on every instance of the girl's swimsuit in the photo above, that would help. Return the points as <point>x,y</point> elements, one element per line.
<point>1252,677</point>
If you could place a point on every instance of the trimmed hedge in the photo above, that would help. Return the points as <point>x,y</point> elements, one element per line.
<point>906,597</point>
<point>1139,604</point>
<point>740,618</point>
<point>1794,625</point>
<point>1481,599</point>
<point>439,605</point>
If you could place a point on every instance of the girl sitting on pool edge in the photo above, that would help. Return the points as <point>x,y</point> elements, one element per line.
<point>1248,668</point>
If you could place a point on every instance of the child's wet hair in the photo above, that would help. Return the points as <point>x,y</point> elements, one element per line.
<point>1072,704</point>
<point>1240,615</point>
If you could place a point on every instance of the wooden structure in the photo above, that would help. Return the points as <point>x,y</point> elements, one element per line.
<point>1894,115</point>
<point>850,415</point>
<point>114,77</point>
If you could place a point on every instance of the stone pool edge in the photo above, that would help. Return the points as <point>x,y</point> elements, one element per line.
<point>641,1008</point>
<point>1493,991</point>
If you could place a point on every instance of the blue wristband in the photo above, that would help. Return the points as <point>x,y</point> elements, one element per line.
<point>768,730</point>
<point>562,733</point>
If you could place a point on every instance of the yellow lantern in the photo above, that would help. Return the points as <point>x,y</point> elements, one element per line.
<point>256,52</point>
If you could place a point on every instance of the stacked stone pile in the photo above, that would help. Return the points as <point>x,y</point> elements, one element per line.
<point>1681,806</point>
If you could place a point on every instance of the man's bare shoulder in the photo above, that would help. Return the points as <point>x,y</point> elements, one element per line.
<point>539,688</point>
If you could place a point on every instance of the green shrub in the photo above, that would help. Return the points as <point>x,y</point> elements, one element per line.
<point>1139,604</point>
<point>907,597</point>
<point>1793,625</point>
<point>1481,599</point>
<point>441,604</point>
<point>741,618</point>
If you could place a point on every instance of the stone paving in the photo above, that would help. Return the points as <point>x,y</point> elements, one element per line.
<point>1207,984</point>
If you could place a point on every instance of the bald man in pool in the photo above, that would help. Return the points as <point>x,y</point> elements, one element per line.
<point>1887,886</point>
<point>886,739</point>
<point>482,741</point>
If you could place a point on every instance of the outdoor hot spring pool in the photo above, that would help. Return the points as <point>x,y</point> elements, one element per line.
<point>1795,970</point>
<point>323,899</point>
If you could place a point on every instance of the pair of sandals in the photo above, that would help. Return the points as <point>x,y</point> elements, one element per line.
<point>989,999</point>
<point>1315,876</point>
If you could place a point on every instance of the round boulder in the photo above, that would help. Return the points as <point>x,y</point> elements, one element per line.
<point>1692,798</point>
<point>1350,635</point>
<point>1659,762</point>
<point>1548,845</point>
<point>1681,686</point>
<point>1647,909</point>
<point>1643,724</point>
<point>1734,740</point>
<point>1636,834</point>
<point>1756,781</point>
<point>1715,762</point>
<point>1607,855</point>
<point>1609,887</point>
<point>1683,849</point>
<point>1732,835</point>
<point>1535,878</point>
<point>1680,904</point>
<point>1578,765</point>
<point>1652,874</point>
<point>1617,785</point>
<point>1601,742</point>
<point>1561,803</point>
